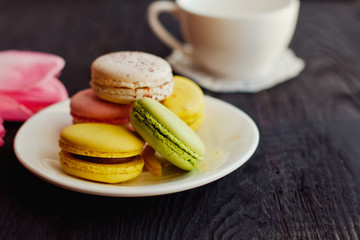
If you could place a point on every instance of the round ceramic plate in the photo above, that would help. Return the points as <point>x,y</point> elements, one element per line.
<point>230,137</point>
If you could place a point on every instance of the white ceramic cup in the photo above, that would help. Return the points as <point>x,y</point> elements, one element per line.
<point>229,38</point>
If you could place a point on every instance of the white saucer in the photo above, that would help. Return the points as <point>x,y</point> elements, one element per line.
<point>230,137</point>
<point>286,67</point>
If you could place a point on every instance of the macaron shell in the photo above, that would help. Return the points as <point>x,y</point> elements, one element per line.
<point>186,101</point>
<point>85,106</point>
<point>196,122</point>
<point>108,173</point>
<point>100,140</point>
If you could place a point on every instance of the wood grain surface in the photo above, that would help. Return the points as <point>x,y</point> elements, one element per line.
<point>302,182</point>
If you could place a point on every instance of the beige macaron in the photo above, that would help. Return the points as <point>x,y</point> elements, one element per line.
<point>124,77</point>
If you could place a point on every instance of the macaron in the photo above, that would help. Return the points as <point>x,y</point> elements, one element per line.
<point>170,136</point>
<point>101,152</point>
<point>86,107</point>
<point>187,102</point>
<point>124,77</point>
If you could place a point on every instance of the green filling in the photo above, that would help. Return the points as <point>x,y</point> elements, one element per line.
<point>165,136</point>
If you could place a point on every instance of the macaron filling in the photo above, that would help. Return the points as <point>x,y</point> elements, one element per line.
<point>102,159</point>
<point>166,136</point>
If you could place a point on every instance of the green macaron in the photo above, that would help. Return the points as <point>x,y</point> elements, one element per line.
<point>167,133</point>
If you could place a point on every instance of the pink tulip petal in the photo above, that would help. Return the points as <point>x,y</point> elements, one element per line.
<point>2,132</point>
<point>22,70</point>
<point>42,95</point>
<point>12,110</point>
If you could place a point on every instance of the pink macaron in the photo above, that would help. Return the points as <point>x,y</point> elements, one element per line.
<point>86,107</point>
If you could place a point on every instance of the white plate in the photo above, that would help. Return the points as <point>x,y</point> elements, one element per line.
<point>230,137</point>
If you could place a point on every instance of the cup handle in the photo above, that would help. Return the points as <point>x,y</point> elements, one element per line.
<point>154,10</point>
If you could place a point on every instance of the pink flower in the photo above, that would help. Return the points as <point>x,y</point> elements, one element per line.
<point>28,83</point>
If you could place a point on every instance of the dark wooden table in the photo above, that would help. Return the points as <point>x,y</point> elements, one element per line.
<point>303,182</point>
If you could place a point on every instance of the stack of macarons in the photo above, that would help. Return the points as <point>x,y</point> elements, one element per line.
<point>111,153</point>
<point>134,89</point>
<point>118,79</point>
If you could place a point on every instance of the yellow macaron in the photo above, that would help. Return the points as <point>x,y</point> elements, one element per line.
<point>186,101</point>
<point>101,152</point>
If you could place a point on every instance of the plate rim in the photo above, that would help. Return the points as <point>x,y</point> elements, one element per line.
<point>131,191</point>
